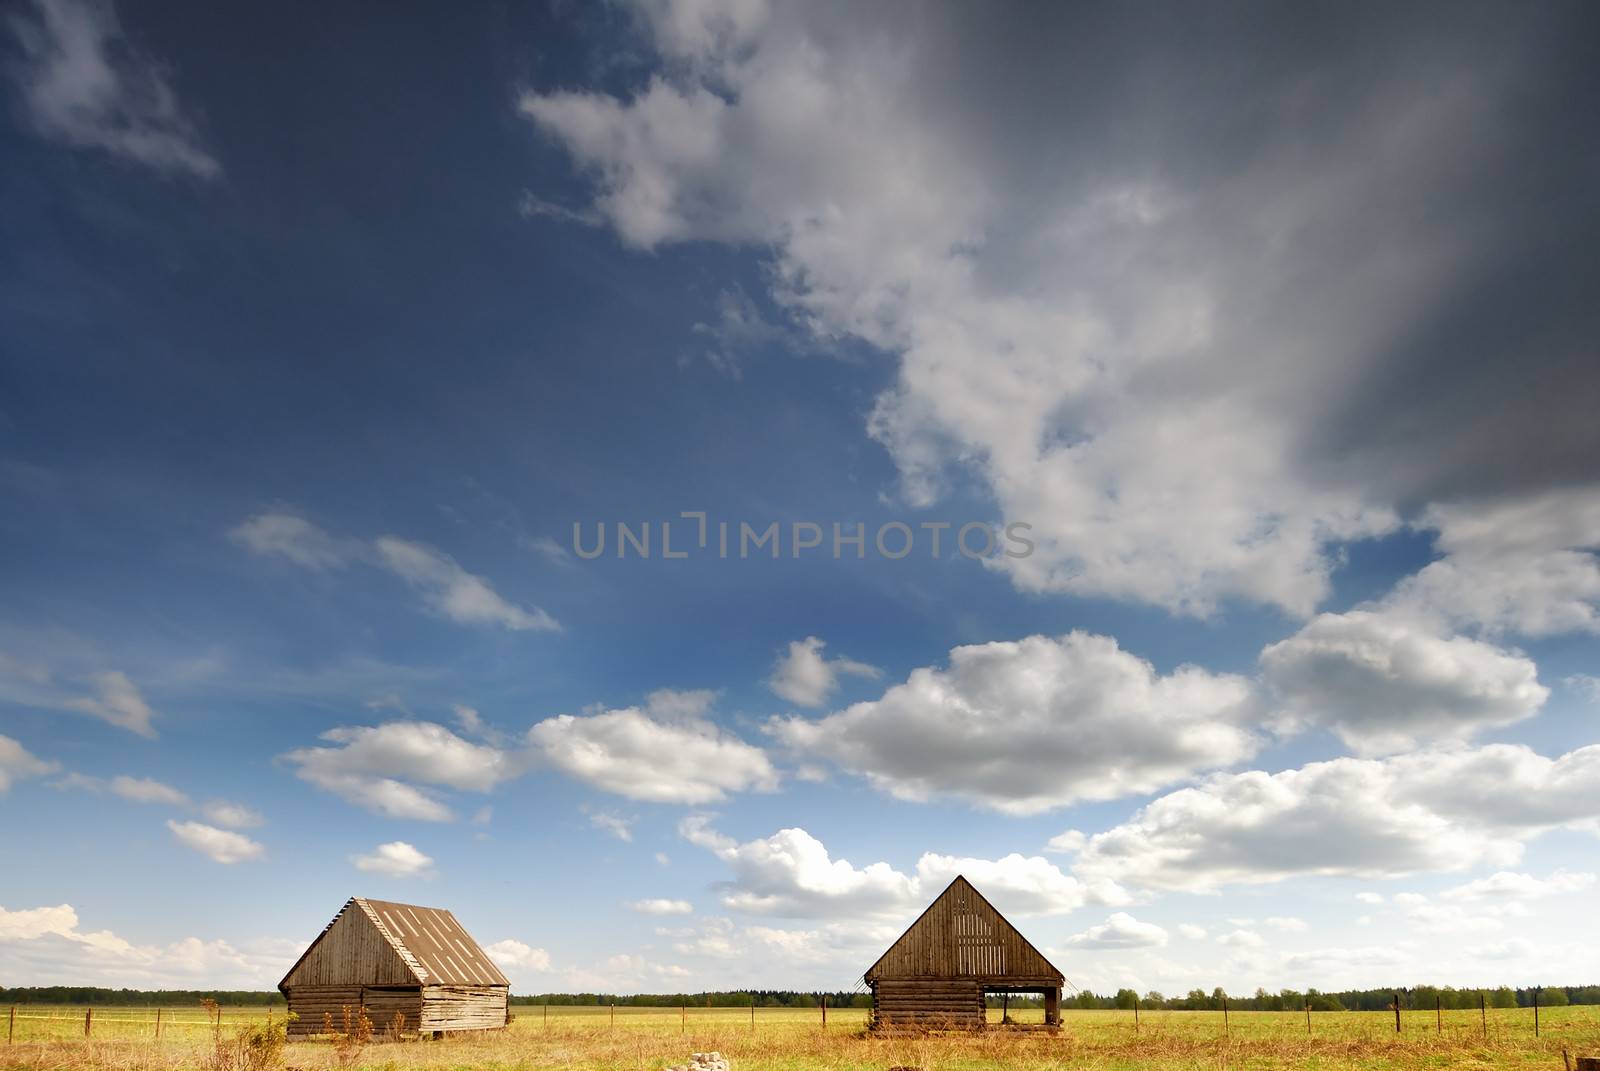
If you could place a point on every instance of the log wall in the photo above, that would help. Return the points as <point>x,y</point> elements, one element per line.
<point>927,1004</point>
<point>424,1008</point>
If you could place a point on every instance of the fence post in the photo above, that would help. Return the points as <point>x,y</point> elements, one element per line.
<point>158,1024</point>
<point>1136,1013</point>
<point>824,1011</point>
<point>1224,1015</point>
<point>1438,1011</point>
<point>1536,990</point>
<point>1483,1012</point>
<point>547,1015</point>
<point>11,1029</point>
<point>683,1017</point>
<point>88,1018</point>
<point>613,1015</point>
<point>1397,1013</point>
<point>752,1013</point>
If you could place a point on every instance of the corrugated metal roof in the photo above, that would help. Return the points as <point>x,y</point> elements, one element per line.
<point>433,944</point>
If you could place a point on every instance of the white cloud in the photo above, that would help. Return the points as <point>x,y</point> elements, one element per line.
<point>118,702</point>
<point>396,859</point>
<point>667,752</point>
<point>1241,939</point>
<point>146,790</point>
<point>17,763</point>
<point>1067,843</point>
<point>791,874</point>
<point>446,588</point>
<point>1429,811</point>
<point>662,907</point>
<point>1369,897</point>
<point>1526,564</point>
<point>804,677</point>
<point>1119,931</point>
<point>1385,684</point>
<point>1026,726</point>
<point>218,845</point>
<point>232,815</point>
<point>46,946</point>
<point>1191,931</point>
<point>618,827</point>
<point>296,539</point>
<point>87,85</point>
<point>1286,924</point>
<point>517,958</point>
<point>1585,685</point>
<point>453,592</point>
<point>1509,885</point>
<point>373,765</point>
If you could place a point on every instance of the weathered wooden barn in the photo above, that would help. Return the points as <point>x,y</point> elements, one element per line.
<point>959,950</point>
<point>408,968</point>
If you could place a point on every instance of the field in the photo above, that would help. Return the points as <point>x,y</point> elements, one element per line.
<point>589,1039</point>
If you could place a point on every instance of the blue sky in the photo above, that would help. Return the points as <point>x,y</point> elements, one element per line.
<point>322,332</point>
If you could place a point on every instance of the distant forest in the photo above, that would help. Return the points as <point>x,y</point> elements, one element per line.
<point>1420,997</point>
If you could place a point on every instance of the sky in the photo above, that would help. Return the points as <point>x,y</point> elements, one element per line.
<point>677,482</point>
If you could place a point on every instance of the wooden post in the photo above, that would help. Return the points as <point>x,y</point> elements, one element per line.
<point>1536,990</point>
<point>1224,1015</point>
<point>1397,1013</point>
<point>1136,1013</point>
<point>1483,1013</point>
<point>547,1015</point>
<point>683,1018</point>
<point>158,1024</point>
<point>752,1013</point>
<point>824,1011</point>
<point>1005,1008</point>
<point>1438,1011</point>
<point>11,1028</point>
<point>613,1015</point>
<point>88,1017</point>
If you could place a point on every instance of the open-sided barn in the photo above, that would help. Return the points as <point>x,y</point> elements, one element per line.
<point>408,968</point>
<point>959,950</point>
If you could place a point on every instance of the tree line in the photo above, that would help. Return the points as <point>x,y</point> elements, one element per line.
<point>1413,998</point>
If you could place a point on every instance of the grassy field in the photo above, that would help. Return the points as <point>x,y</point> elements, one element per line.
<point>587,1039</point>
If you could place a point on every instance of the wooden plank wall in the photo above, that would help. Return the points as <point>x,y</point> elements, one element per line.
<point>925,1004</point>
<point>463,1007</point>
<point>424,1008</point>
<point>961,936</point>
<point>351,952</point>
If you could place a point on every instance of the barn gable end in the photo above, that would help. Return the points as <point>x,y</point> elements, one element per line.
<point>351,951</point>
<point>936,973</point>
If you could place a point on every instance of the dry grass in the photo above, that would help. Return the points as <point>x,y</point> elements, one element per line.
<point>783,1040</point>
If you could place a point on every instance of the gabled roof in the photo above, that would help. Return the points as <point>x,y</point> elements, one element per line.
<point>962,935</point>
<point>387,943</point>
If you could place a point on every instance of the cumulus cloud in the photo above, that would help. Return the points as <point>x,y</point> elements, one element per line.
<point>1286,924</point>
<point>618,827</point>
<point>147,790</point>
<point>447,589</point>
<point>18,763</point>
<point>454,593</point>
<point>232,815</point>
<point>117,701</point>
<point>1385,684</point>
<point>1192,932</point>
<point>517,958</point>
<point>1119,931</point>
<point>1026,726</point>
<point>373,767</point>
<point>1185,364</point>
<point>47,946</point>
<point>1509,885</point>
<point>1423,812</point>
<point>218,845</point>
<point>791,874</point>
<point>87,85</point>
<point>666,752</point>
<point>297,539</point>
<point>1525,564</point>
<point>396,859</point>
<point>662,907</point>
<point>806,678</point>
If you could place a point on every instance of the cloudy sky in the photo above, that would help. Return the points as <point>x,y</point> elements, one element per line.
<point>1140,458</point>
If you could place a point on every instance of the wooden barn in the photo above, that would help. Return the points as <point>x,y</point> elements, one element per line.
<point>960,950</point>
<point>410,969</point>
